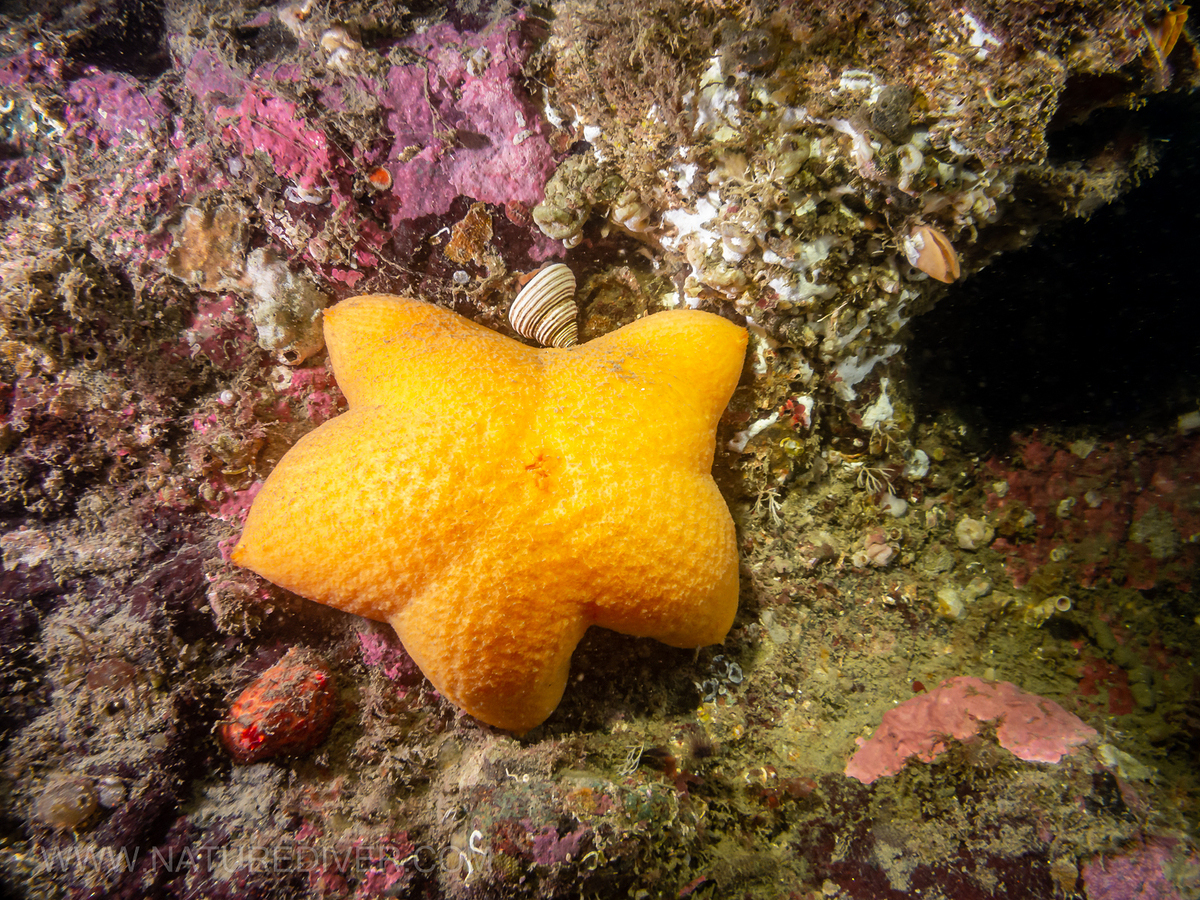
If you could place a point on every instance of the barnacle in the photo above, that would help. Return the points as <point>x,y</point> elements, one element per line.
<point>1163,35</point>
<point>931,252</point>
<point>567,204</point>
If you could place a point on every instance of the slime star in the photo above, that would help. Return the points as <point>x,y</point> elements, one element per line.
<point>492,501</point>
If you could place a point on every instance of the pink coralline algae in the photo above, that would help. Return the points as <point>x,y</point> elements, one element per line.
<point>458,123</point>
<point>113,107</point>
<point>317,391</point>
<point>274,126</point>
<point>1033,728</point>
<point>451,119</point>
<point>549,848</point>
<point>107,109</point>
<point>498,151</point>
<point>216,332</point>
<point>390,657</point>
<point>1156,870</point>
<point>1125,514</point>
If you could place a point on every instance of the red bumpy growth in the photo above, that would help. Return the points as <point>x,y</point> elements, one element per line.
<point>288,709</point>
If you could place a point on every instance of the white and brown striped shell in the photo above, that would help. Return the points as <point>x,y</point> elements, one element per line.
<point>545,308</point>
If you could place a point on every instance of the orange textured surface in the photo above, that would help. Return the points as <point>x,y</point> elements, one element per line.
<point>492,501</point>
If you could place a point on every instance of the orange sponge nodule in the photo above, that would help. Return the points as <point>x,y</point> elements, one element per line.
<point>492,501</point>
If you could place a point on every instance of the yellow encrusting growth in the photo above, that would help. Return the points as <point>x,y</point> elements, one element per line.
<point>492,501</point>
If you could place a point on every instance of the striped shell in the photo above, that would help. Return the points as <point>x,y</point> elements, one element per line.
<point>545,308</point>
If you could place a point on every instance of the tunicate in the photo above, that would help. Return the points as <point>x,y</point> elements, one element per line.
<point>917,466</point>
<point>630,212</point>
<point>561,222</point>
<point>1127,766</point>
<point>793,153</point>
<point>977,587</point>
<point>340,46</point>
<point>726,672</point>
<point>949,603</point>
<point>712,689</point>
<point>311,196</point>
<point>896,507</point>
<point>735,242</point>
<point>66,803</point>
<point>110,791</point>
<point>478,62</point>
<point>911,159</point>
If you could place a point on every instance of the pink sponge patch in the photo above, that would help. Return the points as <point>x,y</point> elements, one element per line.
<point>1160,869</point>
<point>1032,727</point>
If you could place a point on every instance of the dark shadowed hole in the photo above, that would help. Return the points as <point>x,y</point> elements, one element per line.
<point>1093,325</point>
<point>123,35</point>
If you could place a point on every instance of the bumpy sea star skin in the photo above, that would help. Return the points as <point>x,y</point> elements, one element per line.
<point>492,501</point>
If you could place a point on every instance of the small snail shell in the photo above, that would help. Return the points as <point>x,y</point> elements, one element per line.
<point>931,252</point>
<point>545,308</point>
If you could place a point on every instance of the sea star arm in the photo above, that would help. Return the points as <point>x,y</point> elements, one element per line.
<point>380,346</point>
<point>503,656</point>
<point>673,577</point>
<point>651,516</point>
<point>667,377</point>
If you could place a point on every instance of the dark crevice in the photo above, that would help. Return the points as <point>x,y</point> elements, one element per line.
<point>1096,323</point>
<point>121,35</point>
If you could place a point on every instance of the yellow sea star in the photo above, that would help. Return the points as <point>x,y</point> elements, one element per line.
<point>492,501</point>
